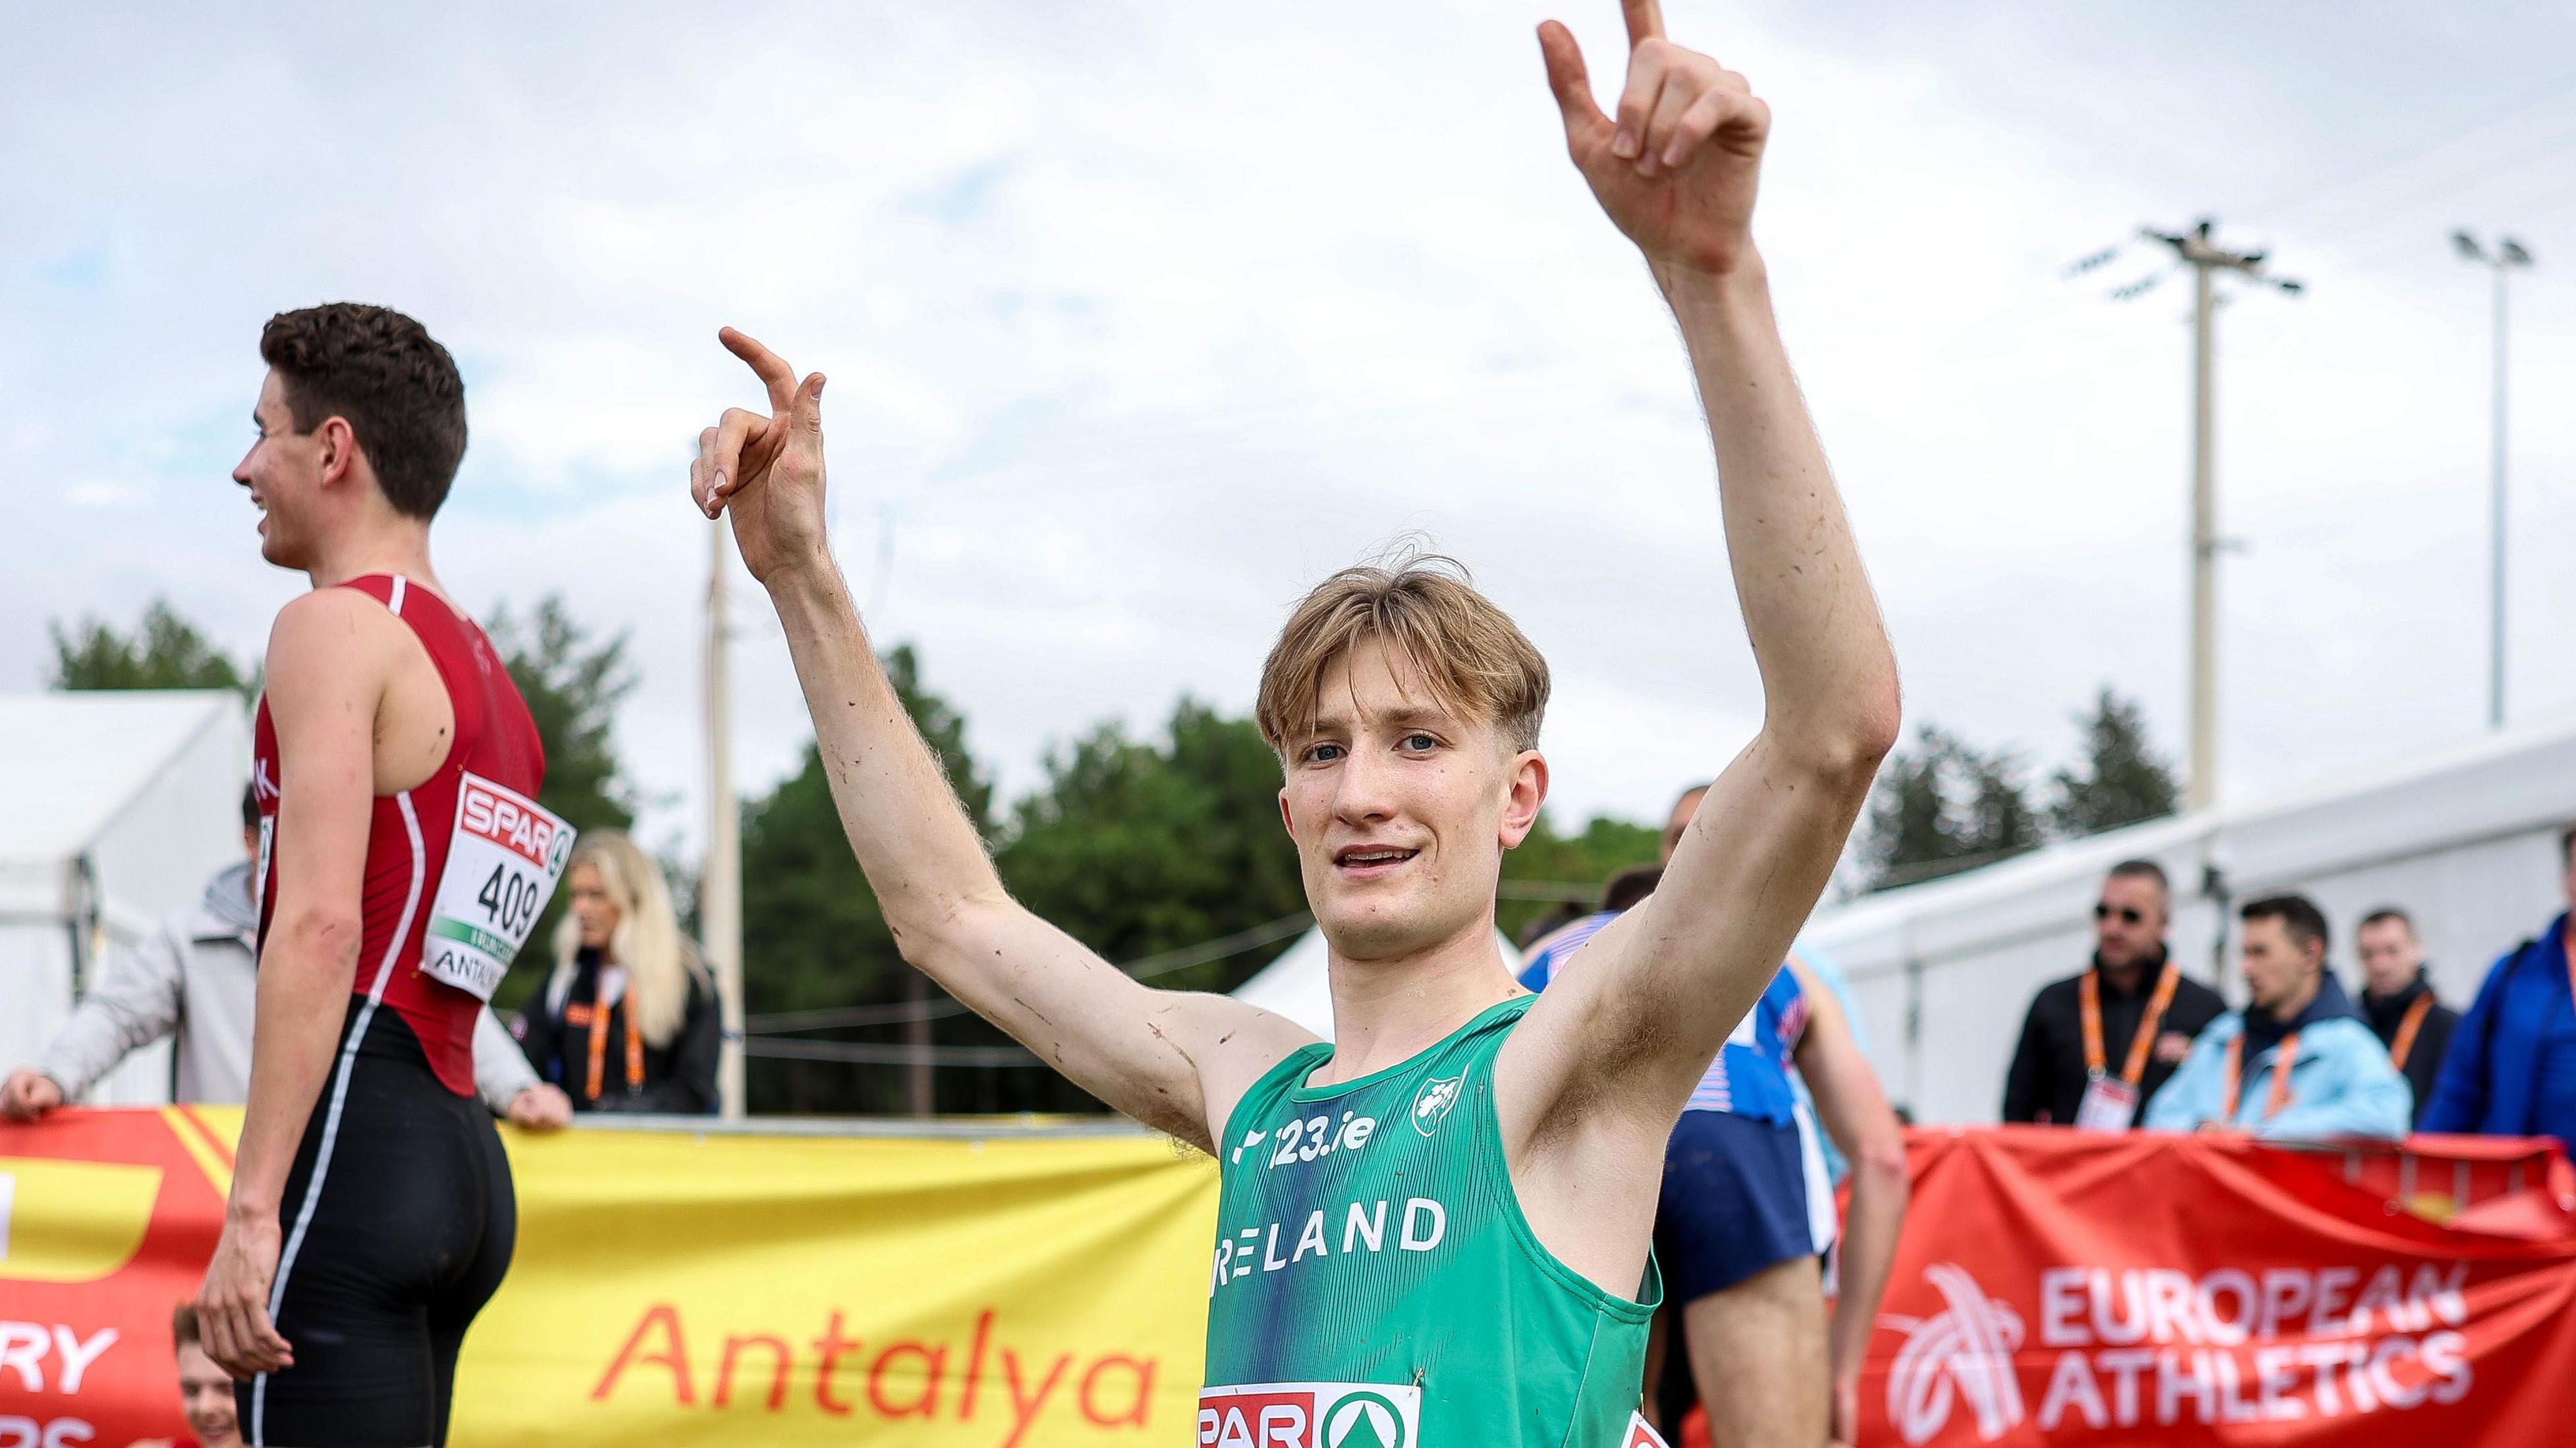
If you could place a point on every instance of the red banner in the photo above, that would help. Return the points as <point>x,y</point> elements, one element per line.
<point>106,1221</point>
<point>2056,1287</point>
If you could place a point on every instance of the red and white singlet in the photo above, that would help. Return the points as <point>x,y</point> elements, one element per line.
<point>476,810</point>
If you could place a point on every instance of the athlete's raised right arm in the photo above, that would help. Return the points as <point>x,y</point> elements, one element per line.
<point>1175,1061</point>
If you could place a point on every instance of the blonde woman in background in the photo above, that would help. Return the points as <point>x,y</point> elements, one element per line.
<point>629,1021</point>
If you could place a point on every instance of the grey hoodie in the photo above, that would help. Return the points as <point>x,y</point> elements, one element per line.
<point>195,978</point>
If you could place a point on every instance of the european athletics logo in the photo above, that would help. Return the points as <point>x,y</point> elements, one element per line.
<point>1965,1350</point>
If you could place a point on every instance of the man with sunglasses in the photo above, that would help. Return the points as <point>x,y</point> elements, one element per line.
<point>2095,1046</point>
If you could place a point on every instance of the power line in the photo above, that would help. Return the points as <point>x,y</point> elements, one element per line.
<point>890,1053</point>
<point>2405,211</point>
<point>2409,150</point>
<point>1165,963</point>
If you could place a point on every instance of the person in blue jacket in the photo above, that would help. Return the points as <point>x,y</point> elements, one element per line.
<point>2336,1080</point>
<point>2511,1070</point>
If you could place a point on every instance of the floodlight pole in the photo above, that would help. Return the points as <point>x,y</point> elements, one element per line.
<point>2507,255</point>
<point>720,887</point>
<point>2202,783</point>
<point>2495,524</point>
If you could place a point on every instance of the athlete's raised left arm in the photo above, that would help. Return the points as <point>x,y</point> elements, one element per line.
<point>1613,1048</point>
<point>326,677</point>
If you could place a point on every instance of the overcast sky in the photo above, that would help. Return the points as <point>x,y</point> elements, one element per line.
<point>1142,317</point>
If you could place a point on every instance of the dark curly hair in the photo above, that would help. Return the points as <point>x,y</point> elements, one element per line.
<point>389,379</point>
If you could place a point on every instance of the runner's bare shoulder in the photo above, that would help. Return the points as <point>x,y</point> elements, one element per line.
<point>340,648</point>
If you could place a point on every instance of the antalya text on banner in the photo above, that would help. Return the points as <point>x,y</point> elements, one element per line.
<point>998,1291</point>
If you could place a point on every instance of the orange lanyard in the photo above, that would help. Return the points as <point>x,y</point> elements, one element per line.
<point>2400,1048</point>
<point>2282,1060</point>
<point>2091,992</point>
<point>597,1020</point>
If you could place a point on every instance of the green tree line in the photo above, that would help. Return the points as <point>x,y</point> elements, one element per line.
<point>1943,805</point>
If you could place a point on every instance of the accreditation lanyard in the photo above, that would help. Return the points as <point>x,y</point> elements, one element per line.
<point>2136,1066</point>
<point>2282,1060</point>
<point>595,1016</point>
<point>2404,1045</point>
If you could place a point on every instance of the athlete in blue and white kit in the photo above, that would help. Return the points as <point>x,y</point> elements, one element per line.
<point>1747,1212</point>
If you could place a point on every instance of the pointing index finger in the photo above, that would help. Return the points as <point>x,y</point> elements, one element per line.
<point>1645,21</point>
<point>772,368</point>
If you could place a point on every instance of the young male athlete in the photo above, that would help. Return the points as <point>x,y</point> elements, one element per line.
<point>1433,1230</point>
<point>403,860</point>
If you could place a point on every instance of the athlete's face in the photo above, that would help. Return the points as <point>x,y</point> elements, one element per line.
<point>594,911</point>
<point>285,471</point>
<point>1401,809</point>
<point>206,1396</point>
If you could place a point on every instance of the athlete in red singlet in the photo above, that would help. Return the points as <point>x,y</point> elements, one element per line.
<point>407,838</point>
<point>402,861</point>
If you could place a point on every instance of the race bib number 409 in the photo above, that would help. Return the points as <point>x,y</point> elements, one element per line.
<point>503,861</point>
<point>1310,1415</point>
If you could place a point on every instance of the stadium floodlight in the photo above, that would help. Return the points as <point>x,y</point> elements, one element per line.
<point>2508,255</point>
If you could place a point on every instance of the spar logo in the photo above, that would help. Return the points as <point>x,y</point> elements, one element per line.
<point>511,820</point>
<point>1431,1104</point>
<point>1310,1415</point>
<point>2131,1347</point>
<point>1964,1351</point>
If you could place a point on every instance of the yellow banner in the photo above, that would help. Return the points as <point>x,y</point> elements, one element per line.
<point>994,1292</point>
<point>1012,1288</point>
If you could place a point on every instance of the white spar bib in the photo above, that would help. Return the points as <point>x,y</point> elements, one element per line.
<point>503,860</point>
<point>1310,1415</point>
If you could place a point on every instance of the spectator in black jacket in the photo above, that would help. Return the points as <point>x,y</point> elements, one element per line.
<point>2144,1010</point>
<point>629,1021</point>
<point>2397,1000</point>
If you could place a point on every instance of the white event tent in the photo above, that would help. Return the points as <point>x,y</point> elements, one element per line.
<point>1298,984</point>
<point>122,804</point>
<point>2464,839</point>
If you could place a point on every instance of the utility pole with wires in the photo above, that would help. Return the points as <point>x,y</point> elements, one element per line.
<point>2206,258</point>
<point>720,886</point>
<point>2508,255</point>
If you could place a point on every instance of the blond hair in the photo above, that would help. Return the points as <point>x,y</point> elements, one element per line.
<point>1425,609</point>
<point>660,962</point>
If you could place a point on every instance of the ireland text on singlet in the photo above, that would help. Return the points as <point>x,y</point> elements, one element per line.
<point>1375,1285</point>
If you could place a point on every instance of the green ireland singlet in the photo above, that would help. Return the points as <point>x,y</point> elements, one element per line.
<point>1375,1285</point>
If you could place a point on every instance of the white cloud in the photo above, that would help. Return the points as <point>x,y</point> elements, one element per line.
<point>1140,318</point>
